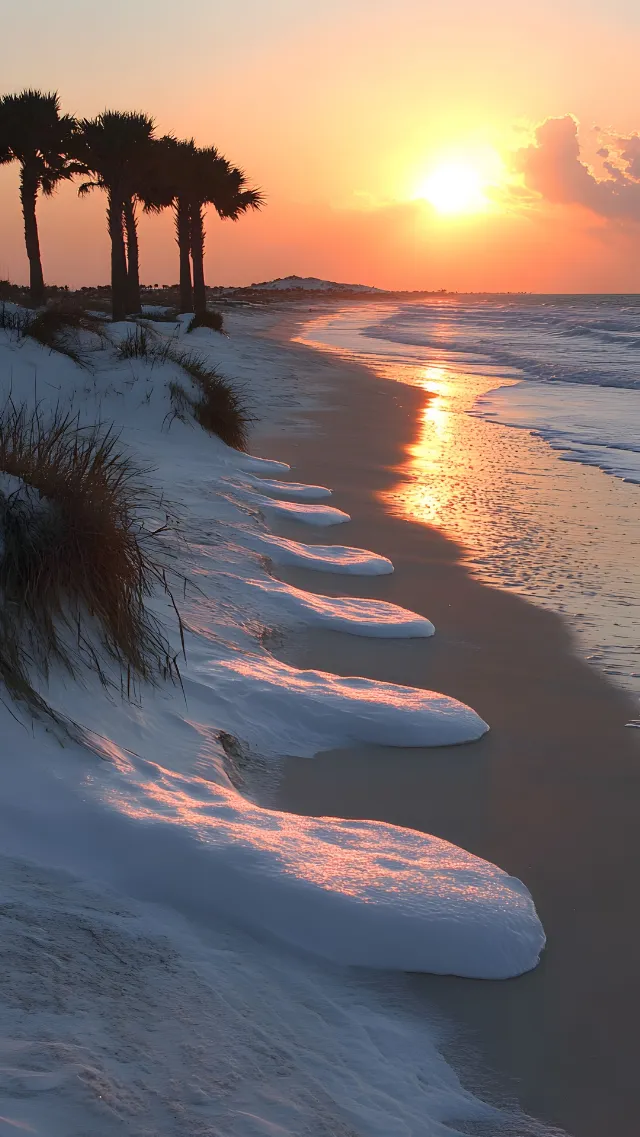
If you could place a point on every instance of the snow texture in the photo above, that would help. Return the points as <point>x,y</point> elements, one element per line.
<point>318,707</point>
<point>318,515</point>
<point>375,618</point>
<point>295,490</point>
<point>118,1018</point>
<point>323,558</point>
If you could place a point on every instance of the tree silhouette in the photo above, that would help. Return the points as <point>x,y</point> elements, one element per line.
<point>115,147</point>
<point>189,178</point>
<point>35,134</point>
<point>223,186</point>
<point>168,184</point>
<point>118,153</point>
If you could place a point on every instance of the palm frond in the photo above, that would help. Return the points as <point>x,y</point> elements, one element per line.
<point>34,133</point>
<point>86,187</point>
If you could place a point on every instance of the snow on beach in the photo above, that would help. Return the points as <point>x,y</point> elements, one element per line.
<point>154,1029</point>
<point>322,558</point>
<point>294,490</point>
<point>361,617</point>
<point>164,831</point>
<point>294,511</point>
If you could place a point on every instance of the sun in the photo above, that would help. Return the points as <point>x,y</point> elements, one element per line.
<point>455,187</point>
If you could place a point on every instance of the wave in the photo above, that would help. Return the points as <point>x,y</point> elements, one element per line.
<point>550,340</point>
<point>601,431</point>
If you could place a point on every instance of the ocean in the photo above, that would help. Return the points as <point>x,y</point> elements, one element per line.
<point>527,451</point>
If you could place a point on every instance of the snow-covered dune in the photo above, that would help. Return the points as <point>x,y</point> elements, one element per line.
<point>159,811</point>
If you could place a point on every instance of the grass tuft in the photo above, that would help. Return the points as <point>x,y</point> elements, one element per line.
<point>55,327</point>
<point>214,402</point>
<point>139,343</point>
<point>217,407</point>
<point>211,320</point>
<point>77,564</point>
<point>13,319</point>
<point>16,293</point>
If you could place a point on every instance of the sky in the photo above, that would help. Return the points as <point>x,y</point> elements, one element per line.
<point>403,143</point>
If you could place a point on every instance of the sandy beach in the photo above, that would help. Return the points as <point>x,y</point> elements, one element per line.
<point>550,794</point>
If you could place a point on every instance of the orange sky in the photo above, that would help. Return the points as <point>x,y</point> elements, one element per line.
<point>340,111</point>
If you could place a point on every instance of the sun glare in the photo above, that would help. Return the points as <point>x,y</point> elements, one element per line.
<point>454,187</point>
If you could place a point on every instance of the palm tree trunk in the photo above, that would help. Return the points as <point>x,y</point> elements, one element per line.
<point>28,197</point>
<point>183,237</point>
<point>134,303</point>
<point>118,256</point>
<point>197,256</point>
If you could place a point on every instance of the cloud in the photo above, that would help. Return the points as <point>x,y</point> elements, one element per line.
<point>630,154</point>
<point>552,167</point>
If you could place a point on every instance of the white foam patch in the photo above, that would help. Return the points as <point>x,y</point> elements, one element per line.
<point>597,426</point>
<point>296,490</point>
<point>341,559</point>
<point>375,618</point>
<point>283,710</point>
<point>320,515</point>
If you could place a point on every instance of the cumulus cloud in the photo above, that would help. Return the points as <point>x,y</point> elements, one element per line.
<point>630,154</point>
<point>553,168</point>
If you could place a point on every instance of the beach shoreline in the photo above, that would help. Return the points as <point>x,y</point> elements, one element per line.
<point>162,889</point>
<point>549,795</point>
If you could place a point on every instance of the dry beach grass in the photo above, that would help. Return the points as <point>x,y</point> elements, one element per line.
<point>78,564</point>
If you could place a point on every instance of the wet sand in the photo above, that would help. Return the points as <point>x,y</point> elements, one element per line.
<point>551,794</point>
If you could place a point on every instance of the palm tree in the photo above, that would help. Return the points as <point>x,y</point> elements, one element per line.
<point>115,148</point>
<point>188,179</point>
<point>35,134</point>
<point>168,184</point>
<point>225,187</point>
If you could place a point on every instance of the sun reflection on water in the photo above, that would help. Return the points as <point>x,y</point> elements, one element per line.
<point>421,496</point>
<point>562,534</point>
<point>449,467</point>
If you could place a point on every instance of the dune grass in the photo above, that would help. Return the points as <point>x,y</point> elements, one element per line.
<point>139,343</point>
<point>55,327</point>
<point>212,320</point>
<point>214,402</point>
<point>12,319</point>
<point>77,565</point>
<point>217,406</point>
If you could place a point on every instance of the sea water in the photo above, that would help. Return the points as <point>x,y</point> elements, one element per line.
<point>527,449</point>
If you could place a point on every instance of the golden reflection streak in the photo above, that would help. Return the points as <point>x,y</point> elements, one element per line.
<point>423,494</point>
<point>448,476</point>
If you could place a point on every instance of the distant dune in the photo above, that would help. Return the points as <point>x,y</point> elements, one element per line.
<point>311,284</point>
